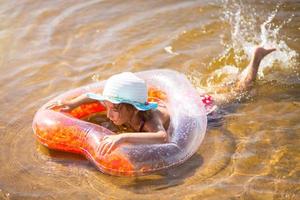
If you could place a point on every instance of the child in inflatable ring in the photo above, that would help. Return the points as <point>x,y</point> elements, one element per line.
<point>125,99</point>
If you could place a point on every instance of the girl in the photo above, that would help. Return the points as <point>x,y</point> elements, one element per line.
<point>125,99</point>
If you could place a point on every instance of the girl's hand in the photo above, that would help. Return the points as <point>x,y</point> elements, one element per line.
<point>63,105</point>
<point>109,143</point>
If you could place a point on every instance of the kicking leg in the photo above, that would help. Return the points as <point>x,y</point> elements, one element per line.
<point>249,74</point>
<point>246,79</point>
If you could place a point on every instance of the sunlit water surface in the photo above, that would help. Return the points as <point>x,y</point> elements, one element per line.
<point>48,47</point>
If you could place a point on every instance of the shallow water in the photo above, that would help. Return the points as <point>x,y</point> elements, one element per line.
<point>48,47</point>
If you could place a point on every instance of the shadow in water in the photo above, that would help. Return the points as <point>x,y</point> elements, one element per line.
<point>157,181</point>
<point>65,158</point>
<point>166,178</point>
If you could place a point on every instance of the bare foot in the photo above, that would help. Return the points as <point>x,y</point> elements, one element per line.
<point>261,52</point>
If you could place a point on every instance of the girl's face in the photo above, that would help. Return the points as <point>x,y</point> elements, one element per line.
<point>117,113</point>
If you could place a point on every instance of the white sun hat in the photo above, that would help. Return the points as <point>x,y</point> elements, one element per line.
<point>125,88</point>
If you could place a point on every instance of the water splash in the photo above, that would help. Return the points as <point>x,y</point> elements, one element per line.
<point>250,27</point>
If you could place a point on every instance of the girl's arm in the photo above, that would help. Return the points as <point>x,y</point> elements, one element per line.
<point>145,138</point>
<point>110,142</point>
<point>155,133</point>
<point>73,103</point>
<point>78,101</point>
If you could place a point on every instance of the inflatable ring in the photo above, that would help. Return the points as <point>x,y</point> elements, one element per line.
<point>67,132</point>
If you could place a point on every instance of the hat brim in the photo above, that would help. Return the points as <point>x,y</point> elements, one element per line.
<point>137,105</point>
